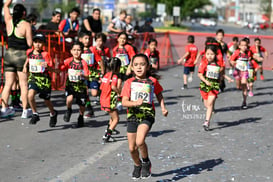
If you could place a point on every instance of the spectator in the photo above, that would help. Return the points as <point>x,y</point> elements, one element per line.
<point>129,26</point>
<point>118,24</point>
<point>54,23</point>
<point>32,19</point>
<point>70,26</point>
<point>15,56</point>
<point>147,27</point>
<point>136,27</point>
<point>92,23</point>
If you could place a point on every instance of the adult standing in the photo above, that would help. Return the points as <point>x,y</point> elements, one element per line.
<point>92,23</point>
<point>20,39</point>
<point>53,25</point>
<point>118,24</point>
<point>147,27</point>
<point>129,26</point>
<point>70,26</point>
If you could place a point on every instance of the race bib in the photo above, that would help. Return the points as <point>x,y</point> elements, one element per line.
<point>153,60</point>
<point>74,75</point>
<point>88,57</point>
<point>213,72</point>
<point>36,65</point>
<point>124,59</point>
<point>250,73</point>
<point>241,65</point>
<point>143,91</point>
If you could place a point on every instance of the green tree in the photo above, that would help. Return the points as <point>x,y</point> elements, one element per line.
<point>265,6</point>
<point>66,8</point>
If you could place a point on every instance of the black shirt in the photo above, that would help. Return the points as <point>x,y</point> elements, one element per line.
<point>146,28</point>
<point>96,25</point>
<point>52,26</point>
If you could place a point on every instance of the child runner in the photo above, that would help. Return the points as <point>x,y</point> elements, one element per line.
<point>209,72</point>
<point>152,53</point>
<point>137,95</point>
<point>219,37</point>
<point>110,90</point>
<point>75,85</point>
<point>40,64</point>
<point>232,46</point>
<point>252,69</point>
<point>189,59</point>
<point>257,51</point>
<point>240,60</point>
<point>124,52</point>
<point>89,56</point>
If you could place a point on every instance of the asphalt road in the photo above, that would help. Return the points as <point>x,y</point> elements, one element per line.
<point>238,147</point>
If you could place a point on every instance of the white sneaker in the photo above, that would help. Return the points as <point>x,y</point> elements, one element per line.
<point>26,114</point>
<point>190,79</point>
<point>8,113</point>
<point>230,72</point>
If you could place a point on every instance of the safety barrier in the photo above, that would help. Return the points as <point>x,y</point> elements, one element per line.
<point>171,46</point>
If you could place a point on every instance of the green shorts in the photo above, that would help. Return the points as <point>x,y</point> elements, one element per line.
<point>14,60</point>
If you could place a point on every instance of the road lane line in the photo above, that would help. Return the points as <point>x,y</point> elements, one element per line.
<point>78,168</point>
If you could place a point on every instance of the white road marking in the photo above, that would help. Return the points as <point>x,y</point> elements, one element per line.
<point>78,168</point>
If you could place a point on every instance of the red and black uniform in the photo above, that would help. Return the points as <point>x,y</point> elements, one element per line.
<point>39,77</point>
<point>75,84</point>
<point>108,98</point>
<point>153,56</point>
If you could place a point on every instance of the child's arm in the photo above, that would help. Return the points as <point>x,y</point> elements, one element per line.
<point>117,88</point>
<point>228,78</point>
<point>197,58</point>
<point>127,103</point>
<point>202,78</point>
<point>183,57</point>
<point>162,104</point>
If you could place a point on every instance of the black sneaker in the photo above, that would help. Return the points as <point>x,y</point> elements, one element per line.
<point>67,115</point>
<point>136,173</point>
<point>35,118</point>
<point>146,170</point>
<point>115,132</point>
<point>244,106</point>
<point>53,119</point>
<point>80,121</point>
<point>108,138</point>
<point>90,112</point>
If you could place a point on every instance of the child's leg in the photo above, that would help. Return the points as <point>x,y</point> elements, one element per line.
<point>50,106</point>
<point>142,132</point>
<point>210,106</point>
<point>133,148</point>
<point>244,89</point>
<point>113,120</point>
<point>82,109</point>
<point>31,100</point>
<point>69,100</point>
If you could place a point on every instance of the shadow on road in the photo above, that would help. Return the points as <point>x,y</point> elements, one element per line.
<point>183,172</point>
<point>235,123</point>
<point>158,133</point>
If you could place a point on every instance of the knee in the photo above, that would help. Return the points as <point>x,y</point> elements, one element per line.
<point>132,149</point>
<point>140,143</point>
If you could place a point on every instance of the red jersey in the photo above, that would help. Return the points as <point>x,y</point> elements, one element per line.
<point>152,55</point>
<point>135,89</point>
<point>241,59</point>
<point>259,51</point>
<point>100,54</point>
<point>127,50</point>
<point>35,60</point>
<point>192,50</point>
<point>69,63</point>
<point>203,67</point>
<point>108,80</point>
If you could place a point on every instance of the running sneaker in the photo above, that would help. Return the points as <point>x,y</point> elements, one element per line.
<point>27,113</point>
<point>35,118</point>
<point>262,77</point>
<point>206,125</point>
<point>190,79</point>
<point>115,132</point>
<point>250,94</point>
<point>8,113</point>
<point>17,107</point>
<point>90,112</point>
<point>146,170</point>
<point>80,121</point>
<point>244,106</point>
<point>184,87</point>
<point>108,138</point>
<point>53,119</point>
<point>136,173</point>
<point>67,115</point>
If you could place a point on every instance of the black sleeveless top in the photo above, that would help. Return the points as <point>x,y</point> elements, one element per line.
<point>15,42</point>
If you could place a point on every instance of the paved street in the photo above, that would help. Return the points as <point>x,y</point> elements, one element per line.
<point>238,147</point>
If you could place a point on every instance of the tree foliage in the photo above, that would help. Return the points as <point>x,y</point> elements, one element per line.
<point>265,6</point>
<point>186,6</point>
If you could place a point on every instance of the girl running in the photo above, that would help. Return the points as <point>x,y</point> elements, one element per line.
<point>137,95</point>
<point>152,53</point>
<point>209,72</point>
<point>124,52</point>
<point>110,90</point>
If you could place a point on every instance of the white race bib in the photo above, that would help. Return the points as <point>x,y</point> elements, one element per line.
<point>88,57</point>
<point>36,65</point>
<point>213,72</point>
<point>241,65</point>
<point>74,75</point>
<point>124,59</point>
<point>143,91</point>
